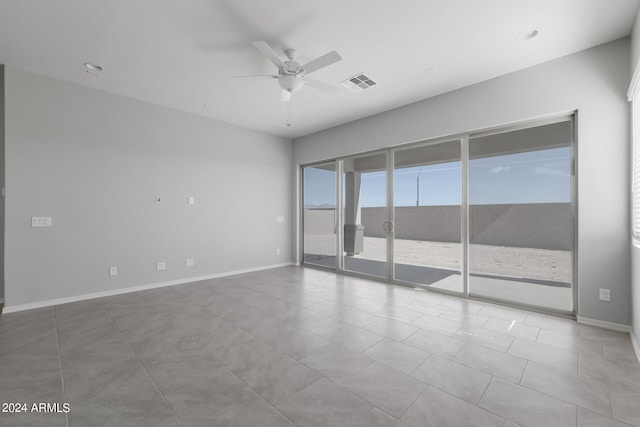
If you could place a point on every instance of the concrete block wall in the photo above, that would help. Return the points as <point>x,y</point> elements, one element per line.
<point>536,225</point>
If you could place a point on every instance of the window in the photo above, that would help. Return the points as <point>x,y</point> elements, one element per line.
<point>634,97</point>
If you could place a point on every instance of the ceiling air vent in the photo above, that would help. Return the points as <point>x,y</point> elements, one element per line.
<point>358,83</point>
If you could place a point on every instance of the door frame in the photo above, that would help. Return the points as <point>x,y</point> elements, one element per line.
<point>464,138</point>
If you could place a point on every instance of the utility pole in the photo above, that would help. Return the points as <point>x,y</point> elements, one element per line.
<point>418,187</point>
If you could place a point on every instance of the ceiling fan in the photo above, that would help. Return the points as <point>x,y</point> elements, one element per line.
<point>291,75</point>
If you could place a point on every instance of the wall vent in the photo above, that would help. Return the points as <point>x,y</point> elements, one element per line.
<point>358,83</point>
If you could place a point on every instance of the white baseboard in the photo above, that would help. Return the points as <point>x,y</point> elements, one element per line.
<point>605,325</point>
<point>636,345</point>
<point>84,297</point>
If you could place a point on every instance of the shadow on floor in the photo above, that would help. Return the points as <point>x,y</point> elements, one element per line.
<point>414,273</point>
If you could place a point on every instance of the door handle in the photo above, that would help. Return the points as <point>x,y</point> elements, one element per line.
<point>387,226</point>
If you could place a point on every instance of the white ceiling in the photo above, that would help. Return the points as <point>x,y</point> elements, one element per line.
<point>183,53</point>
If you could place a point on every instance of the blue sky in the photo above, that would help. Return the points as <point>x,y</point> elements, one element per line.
<point>531,177</point>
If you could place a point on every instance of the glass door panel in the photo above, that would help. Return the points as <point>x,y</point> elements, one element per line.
<point>427,193</point>
<point>520,216</point>
<point>319,221</point>
<point>365,214</point>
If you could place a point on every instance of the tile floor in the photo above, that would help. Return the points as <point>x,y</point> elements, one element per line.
<point>301,347</point>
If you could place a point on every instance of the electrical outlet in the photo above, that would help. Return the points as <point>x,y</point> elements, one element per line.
<point>157,199</point>
<point>277,251</point>
<point>191,200</point>
<point>190,262</point>
<point>113,271</point>
<point>279,218</point>
<point>605,295</point>
<point>161,266</point>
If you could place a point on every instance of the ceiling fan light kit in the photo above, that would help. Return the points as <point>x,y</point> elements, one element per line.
<point>291,82</point>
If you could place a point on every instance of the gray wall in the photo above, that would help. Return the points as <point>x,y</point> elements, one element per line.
<point>635,295</point>
<point>635,43</point>
<point>635,248</point>
<point>593,82</point>
<point>2,168</point>
<point>539,225</point>
<point>94,162</point>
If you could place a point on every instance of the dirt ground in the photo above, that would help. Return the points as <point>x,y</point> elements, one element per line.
<point>540,264</point>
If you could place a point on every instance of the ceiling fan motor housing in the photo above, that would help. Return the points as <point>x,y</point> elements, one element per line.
<point>292,67</point>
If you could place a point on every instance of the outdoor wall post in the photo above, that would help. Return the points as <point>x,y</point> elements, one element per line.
<point>353,230</point>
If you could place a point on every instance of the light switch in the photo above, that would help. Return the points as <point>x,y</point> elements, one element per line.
<point>113,271</point>
<point>41,221</point>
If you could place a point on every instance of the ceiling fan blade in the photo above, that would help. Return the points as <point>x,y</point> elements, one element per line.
<point>321,62</point>
<point>266,50</point>
<point>286,96</point>
<point>325,87</point>
<point>256,75</point>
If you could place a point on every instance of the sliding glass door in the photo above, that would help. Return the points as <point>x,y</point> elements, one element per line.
<point>488,215</point>
<point>520,216</point>
<point>319,214</point>
<point>427,192</point>
<point>365,214</point>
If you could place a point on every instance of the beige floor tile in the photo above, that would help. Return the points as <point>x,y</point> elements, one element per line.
<point>301,347</point>
<point>336,362</point>
<point>437,324</point>
<point>590,347</point>
<point>569,387</point>
<point>394,329</point>
<point>454,378</point>
<point>484,338</point>
<point>587,418</point>
<point>396,355</point>
<point>504,313</point>
<point>436,343</point>
<point>435,408</point>
<point>545,354</point>
<point>354,338</point>
<point>378,418</point>
<point>384,387</point>
<point>621,354</point>
<point>466,319</point>
<point>552,323</point>
<point>321,325</point>
<point>513,328</point>
<point>626,405</point>
<point>492,362</point>
<point>614,374</point>
<point>527,407</point>
<point>324,404</point>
